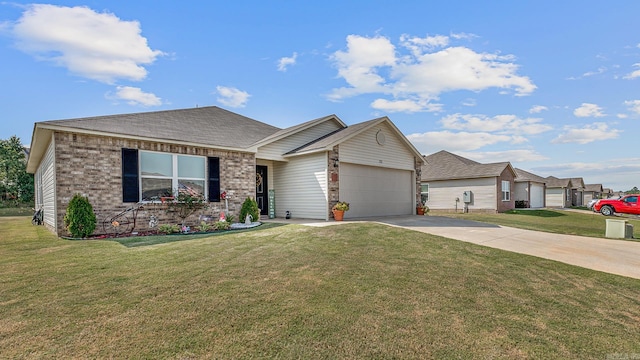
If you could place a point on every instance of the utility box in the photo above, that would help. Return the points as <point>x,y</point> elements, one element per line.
<point>466,197</point>
<point>628,231</point>
<point>618,229</point>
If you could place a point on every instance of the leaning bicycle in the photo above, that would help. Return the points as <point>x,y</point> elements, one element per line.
<point>38,216</point>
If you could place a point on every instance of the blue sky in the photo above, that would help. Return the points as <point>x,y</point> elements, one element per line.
<point>551,86</point>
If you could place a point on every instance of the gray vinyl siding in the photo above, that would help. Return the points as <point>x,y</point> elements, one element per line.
<point>301,187</point>
<point>275,150</point>
<point>45,177</point>
<point>363,149</point>
<point>521,191</point>
<point>443,194</point>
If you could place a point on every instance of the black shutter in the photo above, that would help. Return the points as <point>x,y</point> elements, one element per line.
<point>214,179</point>
<point>130,183</point>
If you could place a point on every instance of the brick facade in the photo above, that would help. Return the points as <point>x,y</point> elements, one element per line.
<point>503,206</point>
<point>334,178</point>
<point>91,165</point>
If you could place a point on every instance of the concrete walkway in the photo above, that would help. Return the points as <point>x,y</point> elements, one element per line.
<point>612,256</point>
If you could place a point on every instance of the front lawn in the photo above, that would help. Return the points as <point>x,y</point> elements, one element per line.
<point>356,291</point>
<point>555,221</point>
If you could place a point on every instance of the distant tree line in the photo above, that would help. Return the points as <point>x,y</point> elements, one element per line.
<point>16,185</point>
<point>633,191</point>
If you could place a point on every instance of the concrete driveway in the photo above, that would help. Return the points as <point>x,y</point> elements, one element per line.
<point>612,256</point>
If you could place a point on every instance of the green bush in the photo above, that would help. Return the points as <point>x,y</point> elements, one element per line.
<point>249,206</point>
<point>80,219</point>
<point>204,227</point>
<point>168,228</point>
<point>222,225</point>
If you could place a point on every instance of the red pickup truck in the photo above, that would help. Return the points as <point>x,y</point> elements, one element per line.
<point>627,204</point>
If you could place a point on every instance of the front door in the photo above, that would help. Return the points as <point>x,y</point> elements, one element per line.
<point>262,189</point>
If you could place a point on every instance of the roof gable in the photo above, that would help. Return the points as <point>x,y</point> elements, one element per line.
<point>328,142</point>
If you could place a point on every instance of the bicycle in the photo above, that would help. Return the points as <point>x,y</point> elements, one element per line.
<point>38,216</point>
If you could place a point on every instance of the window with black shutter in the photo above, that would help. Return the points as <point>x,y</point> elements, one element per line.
<point>130,183</point>
<point>214,179</point>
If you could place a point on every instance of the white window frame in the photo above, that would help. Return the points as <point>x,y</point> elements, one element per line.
<point>506,190</point>
<point>424,193</point>
<point>175,179</point>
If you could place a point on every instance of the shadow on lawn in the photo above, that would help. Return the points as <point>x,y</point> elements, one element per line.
<point>537,213</point>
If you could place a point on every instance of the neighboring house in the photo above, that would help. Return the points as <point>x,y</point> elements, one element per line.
<point>577,194</point>
<point>452,182</point>
<point>592,191</point>
<point>530,189</point>
<point>564,192</point>
<point>120,160</point>
<point>607,193</point>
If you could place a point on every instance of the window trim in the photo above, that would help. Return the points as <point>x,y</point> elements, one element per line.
<point>506,192</point>
<point>424,192</point>
<point>132,177</point>
<point>175,178</point>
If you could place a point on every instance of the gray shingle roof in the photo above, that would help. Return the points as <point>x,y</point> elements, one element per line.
<point>593,187</point>
<point>209,126</point>
<point>444,165</point>
<point>522,176</point>
<point>553,181</point>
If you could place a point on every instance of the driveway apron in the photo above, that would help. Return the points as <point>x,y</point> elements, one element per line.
<point>618,257</point>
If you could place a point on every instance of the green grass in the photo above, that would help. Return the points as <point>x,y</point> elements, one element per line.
<point>16,211</point>
<point>356,291</point>
<point>555,221</point>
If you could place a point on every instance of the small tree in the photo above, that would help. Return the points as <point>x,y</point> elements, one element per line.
<point>80,219</point>
<point>249,206</point>
<point>186,205</point>
<point>15,183</point>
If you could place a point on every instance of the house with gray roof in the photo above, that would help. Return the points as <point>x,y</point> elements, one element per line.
<point>452,182</point>
<point>529,190</point>
<point>592,191</point>
<point>119,161</point>
<point>565,192</point>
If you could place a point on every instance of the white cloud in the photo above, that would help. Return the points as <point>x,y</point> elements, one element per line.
<point>373,65</point>
<point>135,96</point>
<point>284,62</point>
<point>615,173</point>
<point>93,45</point>
<point>418,46</point>
<point>433,141</point>
<point>407,106</point>
<point>634,105</point>
<point>588,110</point>
<point>633,74</point>
<point>232,97</point>
<point>537,109</point>
<point>358,65</point>
<point>511,156</point>
<point>504,124</point>
<point>587,134</point>
<point>601,70</point>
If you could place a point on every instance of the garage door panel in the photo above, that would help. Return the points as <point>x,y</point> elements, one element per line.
<point>373,191</point>
<point>536,196</point>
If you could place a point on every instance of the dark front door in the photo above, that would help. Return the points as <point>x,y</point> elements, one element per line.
<point>262,189</point>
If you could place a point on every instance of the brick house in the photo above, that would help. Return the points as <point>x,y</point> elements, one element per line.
<point>452,182</point>
<point>134,159</point>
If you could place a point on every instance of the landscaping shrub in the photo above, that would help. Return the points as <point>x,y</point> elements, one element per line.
<point>80,220</point>
<point>249,206</point>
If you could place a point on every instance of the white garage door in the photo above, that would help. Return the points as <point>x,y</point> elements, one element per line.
<point>537,196</point>
<point>374,191</point>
